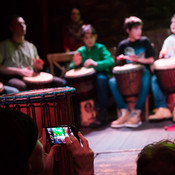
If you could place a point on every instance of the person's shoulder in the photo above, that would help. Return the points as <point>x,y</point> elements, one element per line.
<point>30,44</point>
<point>81,49</point>
<point>170,38</point>
<point>144,39</point>
<point>99,45</point>
<point>123,42</point>
<point>6,41</point>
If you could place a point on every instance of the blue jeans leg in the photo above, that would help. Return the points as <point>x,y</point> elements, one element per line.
<point>102,90</point>
<point>158,96</point>
<point>118,98</point>
<point>10,90</point>
<point>145,85</point>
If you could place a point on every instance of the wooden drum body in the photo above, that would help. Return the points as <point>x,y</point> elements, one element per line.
<point>165,72</point>
<point>48,107</point>
<point>39,80</point>
<point>84,81</point>
<point>128,79</point>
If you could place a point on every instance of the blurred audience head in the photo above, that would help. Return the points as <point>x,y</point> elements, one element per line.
<point>75,15</point>
<point>21,151</point>
<point>157,159</point>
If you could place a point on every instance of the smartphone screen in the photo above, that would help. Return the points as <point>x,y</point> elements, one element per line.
<point>57,135</point>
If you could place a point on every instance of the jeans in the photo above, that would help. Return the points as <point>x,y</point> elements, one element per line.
<point>158,96</point>
<point>10,90</point>
<point>118,98</point>
<point>102,90</point>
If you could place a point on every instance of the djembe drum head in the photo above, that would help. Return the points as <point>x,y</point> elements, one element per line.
<point>83,80</point>
<point>39,80</point>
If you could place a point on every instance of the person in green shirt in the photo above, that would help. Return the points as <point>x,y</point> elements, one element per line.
<point>95,55</point>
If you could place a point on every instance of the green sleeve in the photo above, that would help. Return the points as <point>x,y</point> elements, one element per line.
<point>107,61</point>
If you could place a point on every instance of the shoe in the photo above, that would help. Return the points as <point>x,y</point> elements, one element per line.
<point>123,117</point>
<point>134,119</point>
<point>160,114</point>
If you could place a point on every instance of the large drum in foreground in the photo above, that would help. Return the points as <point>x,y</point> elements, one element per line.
<point>39,80</point>
<point>49,107</point>
<point>128,79</point>
<point>84,81</point>
<point>165,72</point>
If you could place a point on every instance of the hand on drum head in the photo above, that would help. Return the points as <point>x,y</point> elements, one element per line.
<point>25,72</point>
<point>83,156</point>
<point>133,58</point>
<point>123,57</point>
<point>163,53</point>
<point>90,62</point>
<point>38,63</point>
<point>77,59</point>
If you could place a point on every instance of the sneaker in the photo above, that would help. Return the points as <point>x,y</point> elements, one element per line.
<point>134,119</point>
<point>123,117</point>
<point>160,114</point>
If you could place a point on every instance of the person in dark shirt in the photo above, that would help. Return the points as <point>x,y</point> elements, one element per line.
<point>134,49</point>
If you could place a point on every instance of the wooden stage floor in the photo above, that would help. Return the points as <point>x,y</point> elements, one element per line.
<point>116,149</point>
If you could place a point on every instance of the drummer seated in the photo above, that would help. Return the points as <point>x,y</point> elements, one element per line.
<point>167,51</point>
<point>134,49</point>
<point>19,57</point>
<point>95,55</point>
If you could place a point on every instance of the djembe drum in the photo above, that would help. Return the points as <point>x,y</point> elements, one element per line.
<point>165,72</point>
<point>48,107</point>
<point>39,80</point>
<point>84,81</point>
<point>128,79</point>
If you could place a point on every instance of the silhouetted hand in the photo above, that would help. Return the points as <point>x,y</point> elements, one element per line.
<point>83,156</point>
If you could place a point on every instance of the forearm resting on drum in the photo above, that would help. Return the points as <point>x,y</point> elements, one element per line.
<point>15,70</point>
<point>148,60</point>
<point>103,65</point>
<point>89,62</point>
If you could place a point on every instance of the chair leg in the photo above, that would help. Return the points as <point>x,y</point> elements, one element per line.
<point>147,108</point>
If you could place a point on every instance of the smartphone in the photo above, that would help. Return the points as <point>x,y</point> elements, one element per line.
<point>57,134</point>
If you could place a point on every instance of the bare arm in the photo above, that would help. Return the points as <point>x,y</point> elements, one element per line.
<point>134,58</point>
<point>14,70</point>
<point>149,60</point>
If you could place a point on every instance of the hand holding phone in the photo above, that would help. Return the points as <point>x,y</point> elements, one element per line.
<point>57,135</point>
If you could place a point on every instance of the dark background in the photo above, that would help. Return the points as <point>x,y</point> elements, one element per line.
<point>46,18</point>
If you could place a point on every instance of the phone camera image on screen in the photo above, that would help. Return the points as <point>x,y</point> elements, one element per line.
<point>58,134</point>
